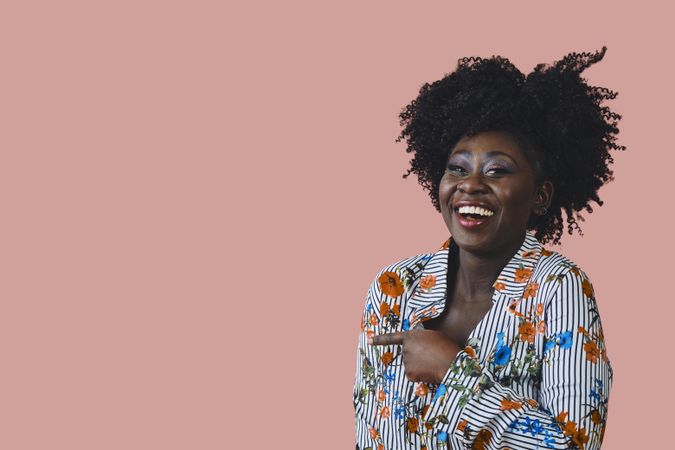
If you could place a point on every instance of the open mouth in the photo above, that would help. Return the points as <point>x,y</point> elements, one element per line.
<point>473,216</point>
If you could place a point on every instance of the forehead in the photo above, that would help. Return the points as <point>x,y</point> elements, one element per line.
<point>490,142</point>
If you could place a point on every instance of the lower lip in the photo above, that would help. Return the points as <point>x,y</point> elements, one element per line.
<point>471,223</point>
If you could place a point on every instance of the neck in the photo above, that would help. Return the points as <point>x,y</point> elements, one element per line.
<point>477,272</point>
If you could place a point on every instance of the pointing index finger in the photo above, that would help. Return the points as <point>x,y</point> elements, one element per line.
<point>387,339</point>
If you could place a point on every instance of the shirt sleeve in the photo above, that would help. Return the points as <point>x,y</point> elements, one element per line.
<point>365,383</point>
<point>571,411</point>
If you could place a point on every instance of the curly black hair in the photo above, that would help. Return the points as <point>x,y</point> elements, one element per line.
<point>557,119</point>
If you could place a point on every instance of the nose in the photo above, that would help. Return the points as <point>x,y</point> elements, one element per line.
<point>473,184</point>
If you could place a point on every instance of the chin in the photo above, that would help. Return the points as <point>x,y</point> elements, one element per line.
<point>474,244</point>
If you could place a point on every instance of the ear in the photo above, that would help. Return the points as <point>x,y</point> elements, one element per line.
<point>542,198</point>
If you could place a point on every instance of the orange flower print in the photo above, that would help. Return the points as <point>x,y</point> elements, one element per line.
<point>541,327</point>
<point>562,417</point>
<point>575,271</point>
<point>570,428</point>
<point>424,412</point>
<point>373,433</point>
<point>363,323</point>
<point>412,424</point>
<point>522,275</point>
<point>390,284</point>
<point>462,425</point>
<point>507,404</point>
<point>380,446</point>
<point>446,244</point>
<point>587,288</point>
<point>540,309</point>
<point>592,351</point>
<point>422,390</point>
<point>370,333</point>
<point>384,309</point>
<point>527,332</point>
<point>512,308</point>
<point>428,282</point>
<point>545,252</point>
<point>531,289</point>
<point>380,395</point>
<point>387,358</point>
<point>532,402</point>
<point>580,438</point>
<point>482,440</point>
<point>530,254</point>
<point>385,413</point>
<point>582,330</point>
<point>396,310</point>
<point>499,286</point>
<point>373,319</point>
<point>470,351</point>
<point>595,417</point>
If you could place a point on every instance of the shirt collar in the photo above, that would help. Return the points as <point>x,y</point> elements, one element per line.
<point>512,280</point>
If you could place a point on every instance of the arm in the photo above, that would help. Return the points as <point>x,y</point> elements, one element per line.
<point>571,411</point>
<point>368,373</point>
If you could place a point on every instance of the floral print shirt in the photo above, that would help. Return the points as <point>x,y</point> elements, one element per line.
<point>534,373</point>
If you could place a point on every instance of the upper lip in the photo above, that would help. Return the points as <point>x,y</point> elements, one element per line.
<point>459,203</point>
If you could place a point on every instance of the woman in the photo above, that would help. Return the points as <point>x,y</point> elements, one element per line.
<point>493,341</point>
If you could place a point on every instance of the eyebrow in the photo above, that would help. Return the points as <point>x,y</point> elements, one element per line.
<point>489,154</point>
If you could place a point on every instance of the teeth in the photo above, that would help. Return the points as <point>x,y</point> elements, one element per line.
<point>475,210</point>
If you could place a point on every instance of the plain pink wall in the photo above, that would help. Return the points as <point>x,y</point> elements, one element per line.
<point>196,197</point>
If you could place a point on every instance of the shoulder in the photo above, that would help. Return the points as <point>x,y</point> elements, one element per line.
<point>562,276</point>
<point>388,293</point>
<point>399,275</point>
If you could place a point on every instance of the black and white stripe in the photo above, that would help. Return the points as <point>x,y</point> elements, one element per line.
<point>567,382</point>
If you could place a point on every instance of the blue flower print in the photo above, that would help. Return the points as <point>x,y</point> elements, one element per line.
<point>548,345</point>
<point>594,395</point>
<point>406,325</point>
<point>442,436</point>
<point>531,426</point>
<point>500,340</point>
<point>548,439</point>
<point>502,355</point>
<point>566,340</point>
<point>440,392</point>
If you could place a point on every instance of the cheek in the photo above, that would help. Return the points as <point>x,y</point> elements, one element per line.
<point>445,190</point>
<point>518,199</point>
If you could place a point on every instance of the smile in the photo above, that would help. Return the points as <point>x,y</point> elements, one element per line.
<point>472,216</point>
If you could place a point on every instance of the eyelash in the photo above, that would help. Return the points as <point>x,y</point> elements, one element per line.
<point>498,170</point>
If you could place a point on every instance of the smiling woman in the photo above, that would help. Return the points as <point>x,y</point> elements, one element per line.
<point>489,171</point>
<point>493,341</point>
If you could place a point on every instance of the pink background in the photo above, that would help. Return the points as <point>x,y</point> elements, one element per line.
<point>195,198</point>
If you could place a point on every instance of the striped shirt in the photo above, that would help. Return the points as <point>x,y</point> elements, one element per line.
<point>534,373</point>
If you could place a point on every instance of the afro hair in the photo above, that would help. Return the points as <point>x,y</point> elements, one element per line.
<point>558,120</point>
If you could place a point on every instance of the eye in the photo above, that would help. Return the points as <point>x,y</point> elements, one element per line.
<point>456,169</point>
<point>497,171</point>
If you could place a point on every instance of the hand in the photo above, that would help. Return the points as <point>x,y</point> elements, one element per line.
<point>427,354</point>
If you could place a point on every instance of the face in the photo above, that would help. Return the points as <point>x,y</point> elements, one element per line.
<point>488,193</point>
